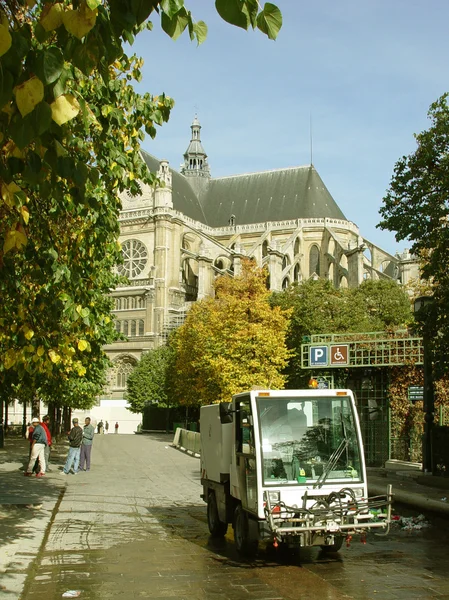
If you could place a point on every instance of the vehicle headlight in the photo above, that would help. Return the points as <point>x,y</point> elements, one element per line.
<point>274,496</point>
<point>358,492</point>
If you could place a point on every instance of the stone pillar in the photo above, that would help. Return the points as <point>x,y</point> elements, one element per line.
<point>275,267</point>
<point>162,236</point>
<point>149,312</point>
<point>205,277</point>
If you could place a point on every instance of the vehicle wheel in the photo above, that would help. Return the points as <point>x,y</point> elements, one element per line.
<point>216,527</point>
<point>245,545</point>
<point>335,547</point>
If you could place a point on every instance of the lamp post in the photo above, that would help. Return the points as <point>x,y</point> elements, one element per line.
<point>420,309</point>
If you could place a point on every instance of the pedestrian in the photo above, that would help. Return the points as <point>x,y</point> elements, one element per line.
<point>100,427</point>
<point>46,425</point>
<point>29,437</point>
<point>73,458</point>
<point>86,445</point>
<point>106,426</point>
<point>38,443</point>
<point>116,427</point>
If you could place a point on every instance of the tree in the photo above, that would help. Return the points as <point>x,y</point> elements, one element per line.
<point>70,132</point>
<point>231,342</point>
<point>318,307</point>
<point>416,207</point>
<point>385,303</point>
<point>149,382</point>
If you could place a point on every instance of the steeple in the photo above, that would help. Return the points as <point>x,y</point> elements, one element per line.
<point>195,158</point>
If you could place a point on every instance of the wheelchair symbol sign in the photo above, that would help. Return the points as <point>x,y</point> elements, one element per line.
<point>339,355</point>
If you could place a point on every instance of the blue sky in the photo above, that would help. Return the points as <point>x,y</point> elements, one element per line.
<point>365,72</point>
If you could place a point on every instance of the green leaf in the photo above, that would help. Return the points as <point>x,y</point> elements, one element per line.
<point>94,176</point>
<point>33,171</point>
<point>251,8</point>
<point>141,9</point>
<point>200,30</point>
<point>41,117</point>
<point>171,7</point>
<point>175,26</point>
<point>22,130</point>
<point>49,64</point>
<point>269,21</point>
<point>6,85</point>
<point>231,11</point>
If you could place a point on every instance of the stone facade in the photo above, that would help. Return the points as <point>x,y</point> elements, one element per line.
<point>178,237</point>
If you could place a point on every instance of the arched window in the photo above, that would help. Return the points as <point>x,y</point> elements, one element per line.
<point>125,328</point>
<point>133,329</point>
<point>264,249</point>
<point>285,261</point>
<point>118,325</point>
<point>124,368</point>
<point>285,283</point>
<point>314,260</point>
<point>297,273</point>
<point>141,327</point>
<point>135,258</point>
<point>296,250</point>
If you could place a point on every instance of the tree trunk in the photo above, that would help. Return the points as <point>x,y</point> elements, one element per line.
<point>35,406</point>
<point>6,419</point>
<point>24,421</point>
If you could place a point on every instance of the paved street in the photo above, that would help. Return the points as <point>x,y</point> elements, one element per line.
<point>135,527</point>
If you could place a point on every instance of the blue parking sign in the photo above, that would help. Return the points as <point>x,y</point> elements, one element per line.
<point>318,356</point>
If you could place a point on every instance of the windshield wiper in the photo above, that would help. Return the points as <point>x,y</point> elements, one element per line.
<point>334,458</point>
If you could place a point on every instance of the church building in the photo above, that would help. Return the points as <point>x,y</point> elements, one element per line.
<point>177,238</point>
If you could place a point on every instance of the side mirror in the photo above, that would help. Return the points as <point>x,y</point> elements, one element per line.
<point>226,412</point>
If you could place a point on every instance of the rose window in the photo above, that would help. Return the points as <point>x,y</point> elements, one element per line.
<point>135,257</point>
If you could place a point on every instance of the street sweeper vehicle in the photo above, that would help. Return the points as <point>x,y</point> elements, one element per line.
<point>288,466</point>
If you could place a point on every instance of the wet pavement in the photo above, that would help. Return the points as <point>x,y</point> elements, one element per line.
<point>135,527</point>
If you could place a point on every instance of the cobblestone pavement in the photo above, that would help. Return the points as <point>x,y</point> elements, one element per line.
<point>135,527</point>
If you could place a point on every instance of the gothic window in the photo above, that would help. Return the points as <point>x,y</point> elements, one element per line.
<point>135,258</point>
<point>297,273</point>
<point>124,368</point>
<point>264,249</point>
<point>125,327</point>
<point>296,250</point>
<point>285,283</point>
<point>141,327</point>
<point>314,260</point>
<point>118,326</point>
<point>133,329</point>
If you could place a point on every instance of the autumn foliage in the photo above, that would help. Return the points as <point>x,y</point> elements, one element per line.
<point>231,342</point>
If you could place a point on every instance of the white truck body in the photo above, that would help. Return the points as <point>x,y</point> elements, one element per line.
<point>288,465</point>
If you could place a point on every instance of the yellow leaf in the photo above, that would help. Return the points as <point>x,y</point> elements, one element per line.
<point>64,108</point>
<point>5,40</point>
<point>9,358</point>
<point>54,356</point>
<point>29,333</point>
<point>8,192</point>
<point>25,214</point>
<point>80,22</point>
<point>51,16</point>
<point>10,241</point>
<point>28,95</point>
<point>40,351</point>
<point>82,345</point>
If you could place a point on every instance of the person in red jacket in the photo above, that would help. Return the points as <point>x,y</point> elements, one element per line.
<point>46,425</point>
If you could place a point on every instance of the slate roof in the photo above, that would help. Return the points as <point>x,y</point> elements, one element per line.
<point>184,198</point>
<point>277,195</point>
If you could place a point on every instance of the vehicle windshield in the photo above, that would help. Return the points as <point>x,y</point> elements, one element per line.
<point>310,440</point>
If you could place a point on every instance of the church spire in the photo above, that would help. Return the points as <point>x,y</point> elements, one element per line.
<point>195,158</point>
